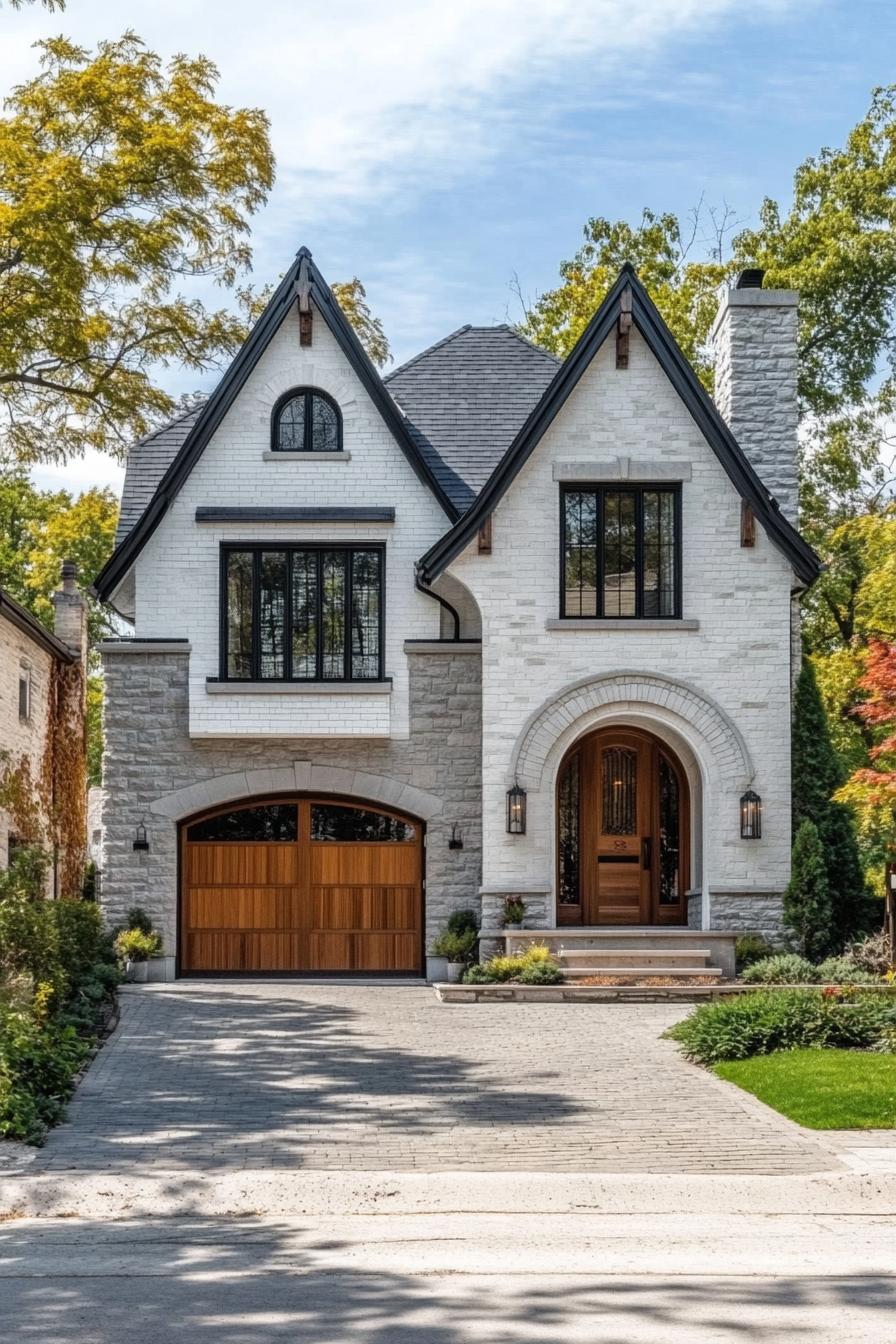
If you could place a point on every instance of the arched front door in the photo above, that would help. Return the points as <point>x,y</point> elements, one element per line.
<point>301,884</point>
<point>622,832</point>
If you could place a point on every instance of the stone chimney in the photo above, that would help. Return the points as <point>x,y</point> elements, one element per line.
<point>754,339</point>
<point>70,624</point>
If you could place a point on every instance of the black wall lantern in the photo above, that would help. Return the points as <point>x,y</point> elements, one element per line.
<point>457,837</point>
<point>750,816</point>
<point>140,840</point>
<point>516,810</point>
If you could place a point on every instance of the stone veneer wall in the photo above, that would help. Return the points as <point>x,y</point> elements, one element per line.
<point>742,913</point>
<point>149,754</point>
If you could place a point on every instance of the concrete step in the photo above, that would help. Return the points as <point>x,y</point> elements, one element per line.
<point>618,956</point>
<point>640,972</point>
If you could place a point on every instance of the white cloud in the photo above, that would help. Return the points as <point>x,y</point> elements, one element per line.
<point>80,474</point>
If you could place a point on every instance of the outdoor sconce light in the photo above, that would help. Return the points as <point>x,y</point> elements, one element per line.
<point>516,810</point>
<point>750,816</point>
<point>140,840</point>
<point>457,837</point>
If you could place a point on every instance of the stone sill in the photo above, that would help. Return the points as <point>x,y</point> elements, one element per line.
<point>306,457</point>
<point>145,646</point>
<point>298,687</point>
<point>443,646</point>
<point>633,623</point>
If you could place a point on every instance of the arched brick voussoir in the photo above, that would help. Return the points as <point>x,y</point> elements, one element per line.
<point>707,719</point>
<point>301,777</point>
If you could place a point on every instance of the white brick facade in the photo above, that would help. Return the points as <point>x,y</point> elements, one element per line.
<point>738,659</point>
<point>177,575</point>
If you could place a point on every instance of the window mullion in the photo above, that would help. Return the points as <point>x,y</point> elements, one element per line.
<point>347,636</point>
<point>287,620</point>
<point>256,616</point>
<point>639,553</point>
<point>599,544</point>
<point>319,616</point>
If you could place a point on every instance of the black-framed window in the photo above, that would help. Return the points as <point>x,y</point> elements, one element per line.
<point>620,551</point>
<point>302,613</point>
<point>306,420</point>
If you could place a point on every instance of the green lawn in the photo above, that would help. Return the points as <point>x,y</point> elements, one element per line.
<point>822,1089</point>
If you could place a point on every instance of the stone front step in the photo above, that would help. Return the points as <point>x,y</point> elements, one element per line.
<point>643,951</point>
<point>640,972</point>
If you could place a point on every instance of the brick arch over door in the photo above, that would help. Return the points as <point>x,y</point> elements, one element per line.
<point>539,737</point>
<point>301,777</point>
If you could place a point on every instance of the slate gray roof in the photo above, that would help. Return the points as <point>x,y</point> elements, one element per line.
<point>465,398</point>
<point>148,460</point>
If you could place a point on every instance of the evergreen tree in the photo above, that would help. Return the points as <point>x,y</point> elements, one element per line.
<point>807,901</point>
<point>816,777</point>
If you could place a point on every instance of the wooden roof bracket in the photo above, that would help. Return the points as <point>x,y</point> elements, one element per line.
<point>623,327</point>
<point>303,296</point>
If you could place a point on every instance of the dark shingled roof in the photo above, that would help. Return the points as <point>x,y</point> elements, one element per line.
<point>466,398</point>
<point>148,460</point>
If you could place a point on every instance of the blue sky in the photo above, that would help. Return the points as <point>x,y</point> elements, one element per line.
<point>438,150</point>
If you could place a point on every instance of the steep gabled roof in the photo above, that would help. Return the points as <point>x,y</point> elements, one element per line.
<point>466,398</point>
<point>698,403</point>
<point>20,617</point>
<point>302,276</point>
<point>148,460</point>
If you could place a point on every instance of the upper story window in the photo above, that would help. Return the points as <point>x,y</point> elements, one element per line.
<point>621,552</point>
<point>306,421</point>
<point>302,613</point>
<point>24,694</point>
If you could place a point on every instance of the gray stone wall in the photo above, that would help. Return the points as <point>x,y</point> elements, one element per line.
<point>149,754</point>
<point>744,912</point>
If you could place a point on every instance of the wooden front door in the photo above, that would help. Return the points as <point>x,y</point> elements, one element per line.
<point>301,885</point>
<point>622,832</point>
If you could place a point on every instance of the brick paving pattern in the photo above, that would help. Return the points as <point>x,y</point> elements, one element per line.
<point>236,1076</point>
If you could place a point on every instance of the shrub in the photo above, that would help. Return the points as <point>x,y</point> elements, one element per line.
<point>807,900</point>
<point>463,921</point>
<point>455,946</point>
<point>139,919</point>
<point>874,953</point>
<point>514,910</point>
<point>533,965</point>
<point>135,945</point>
<point>786,968</point>
<point>843,971</point>
<point>79,928</point>
<point>38,1060</point>
<point>750,948</point>
<point>758,1024</point>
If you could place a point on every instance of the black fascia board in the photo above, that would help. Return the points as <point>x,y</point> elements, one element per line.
<point>211,514</point>
<point>696,400</point>
<point>225,394</point>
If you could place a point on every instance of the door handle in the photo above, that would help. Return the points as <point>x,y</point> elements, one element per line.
<point>646,852</point>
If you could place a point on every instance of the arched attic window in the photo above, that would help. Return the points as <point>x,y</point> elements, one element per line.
<point>306,420</point>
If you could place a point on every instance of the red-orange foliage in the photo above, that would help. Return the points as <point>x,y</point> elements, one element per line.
<point>879,710</point>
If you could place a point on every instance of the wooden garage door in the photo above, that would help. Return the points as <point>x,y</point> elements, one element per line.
<point>301,885</point>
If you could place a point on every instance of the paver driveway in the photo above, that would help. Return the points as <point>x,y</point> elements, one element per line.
<point>214,1075</point>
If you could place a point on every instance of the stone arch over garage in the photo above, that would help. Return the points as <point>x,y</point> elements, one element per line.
<point>301,777</point>
<point>583,704</point>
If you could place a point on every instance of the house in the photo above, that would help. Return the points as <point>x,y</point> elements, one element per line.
<point>41,687</point>
<point>489,626</point>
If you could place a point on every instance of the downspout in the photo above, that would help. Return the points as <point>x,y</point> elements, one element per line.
<point>423,587</point>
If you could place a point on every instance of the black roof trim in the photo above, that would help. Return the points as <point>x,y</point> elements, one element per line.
<point>20,617</point>
<point>302,272</point>
<point>696,399</point>
<point>336,514</point>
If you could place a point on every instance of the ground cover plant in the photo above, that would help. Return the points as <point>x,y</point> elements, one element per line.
<point>57,977</point>
<point>822,1089</point>
<point>533,965</point>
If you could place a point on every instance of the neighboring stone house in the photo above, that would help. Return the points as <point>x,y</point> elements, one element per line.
<point>490,626</point>
<point>31,663</point>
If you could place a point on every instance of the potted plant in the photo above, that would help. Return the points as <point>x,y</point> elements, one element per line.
<point>134,947</point>
<point>514,912</point>
<point>457,943</point>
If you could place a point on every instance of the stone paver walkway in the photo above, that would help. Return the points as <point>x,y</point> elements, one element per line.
<point>232,1076</point>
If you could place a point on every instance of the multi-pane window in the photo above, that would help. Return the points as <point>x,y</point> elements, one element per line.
<point>302,613</point>
<point>24,693</point>
<point>306,421</point>
<point>620,552</point>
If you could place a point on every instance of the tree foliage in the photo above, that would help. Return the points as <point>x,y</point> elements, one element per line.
<point>807,901</point>
<point>352,299</point>
<point>875,784</point>
<point>121,178</point>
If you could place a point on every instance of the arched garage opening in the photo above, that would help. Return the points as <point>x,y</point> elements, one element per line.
<point>301,884</point>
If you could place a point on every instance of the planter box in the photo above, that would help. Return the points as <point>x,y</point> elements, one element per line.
<point>436,969</point>
<point>161,970</point>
